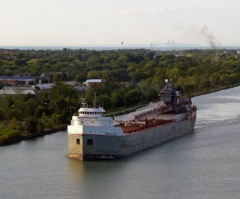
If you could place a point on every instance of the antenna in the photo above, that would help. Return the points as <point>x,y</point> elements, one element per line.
<point>83,102</point>
<point>173,81</point>
<point>94,100</point>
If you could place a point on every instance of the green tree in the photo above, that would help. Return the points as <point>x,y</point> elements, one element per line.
<point>30,107</point>
<point>117,100</point>
<point>215,79</point>
<point>30,126</point>
<point>14,124</point>
<point>5,104</point>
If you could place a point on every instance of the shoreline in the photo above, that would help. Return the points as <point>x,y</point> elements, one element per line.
<point>213,90</point>
<point>31,136</point>
<point>111,114</point>
<point>131,109</point>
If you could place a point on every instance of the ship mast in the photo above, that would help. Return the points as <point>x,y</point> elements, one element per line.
<point>94,100</point>
<point>83,102</point>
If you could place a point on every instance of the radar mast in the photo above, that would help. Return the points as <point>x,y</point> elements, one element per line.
<point>83,102</point>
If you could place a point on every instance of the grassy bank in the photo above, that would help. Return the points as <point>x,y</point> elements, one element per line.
<point>18,137</point>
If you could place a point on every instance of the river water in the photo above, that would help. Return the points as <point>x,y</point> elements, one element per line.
<point>205,164</point>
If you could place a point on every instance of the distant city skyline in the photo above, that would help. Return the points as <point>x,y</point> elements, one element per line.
<point>109,23</point>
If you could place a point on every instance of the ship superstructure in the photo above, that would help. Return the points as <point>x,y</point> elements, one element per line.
<point>92,135</point>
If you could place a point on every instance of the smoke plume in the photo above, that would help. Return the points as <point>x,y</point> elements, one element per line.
<point>209,36</point>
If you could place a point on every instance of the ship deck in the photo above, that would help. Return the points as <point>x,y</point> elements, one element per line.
<point>131,127</point>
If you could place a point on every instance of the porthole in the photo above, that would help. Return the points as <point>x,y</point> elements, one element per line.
<point>77,141</point>
<point>89,141</point>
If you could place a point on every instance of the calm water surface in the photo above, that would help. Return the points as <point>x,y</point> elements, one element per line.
<point>205,164</point>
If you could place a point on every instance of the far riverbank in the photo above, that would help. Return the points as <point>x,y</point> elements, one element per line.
<point>110,113</point>
<point>31,136</point>
<point>123,111</point>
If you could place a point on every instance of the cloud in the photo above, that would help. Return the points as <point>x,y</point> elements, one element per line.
<point>163,9</point>
<point>147,11</point>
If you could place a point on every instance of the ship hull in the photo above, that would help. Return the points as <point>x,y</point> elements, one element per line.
<point>92,147</point>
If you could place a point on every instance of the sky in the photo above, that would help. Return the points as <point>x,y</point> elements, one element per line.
<point>109,22</point>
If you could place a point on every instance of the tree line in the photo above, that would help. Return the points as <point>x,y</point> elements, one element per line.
<point>128,77</point>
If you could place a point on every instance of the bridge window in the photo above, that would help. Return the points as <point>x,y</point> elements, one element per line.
<point>89,141</point>
<point>77,141</point>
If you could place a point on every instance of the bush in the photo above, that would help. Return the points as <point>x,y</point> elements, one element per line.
<point>10,136</point>
<point>30,126</point>
<point>4,138</point>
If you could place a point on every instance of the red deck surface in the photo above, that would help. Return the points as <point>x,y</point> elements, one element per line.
<point>131,127</point>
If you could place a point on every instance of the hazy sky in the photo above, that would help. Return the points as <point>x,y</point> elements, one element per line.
<point>109,22</point>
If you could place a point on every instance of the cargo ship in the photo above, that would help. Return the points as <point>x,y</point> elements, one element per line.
<point>91,135</point>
